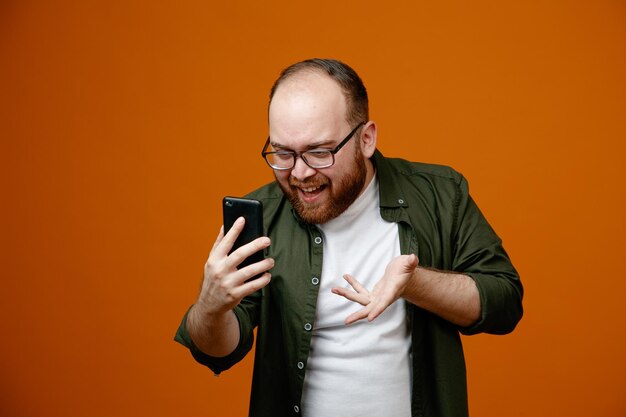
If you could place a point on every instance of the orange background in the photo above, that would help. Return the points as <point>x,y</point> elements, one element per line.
<point>124,123</point>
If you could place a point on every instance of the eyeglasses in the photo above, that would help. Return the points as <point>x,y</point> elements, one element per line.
<point>315,158</point>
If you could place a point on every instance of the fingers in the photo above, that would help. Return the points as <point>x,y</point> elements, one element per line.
<point>351,295</point>
<point>222,296</point>
<point>384,298</point>
<point>359,315</point>
<point>224,285</point>
<point>370,312</point>
<point>376,301</point>
<point>236,257</point>
<point>252,286</point>
<point>219,238</point>
<point>224,244</point>
<point>355,284</point>
<point>412,262</point>
<point>254,269</point>
<point>376,310</point>
<point>361,295</point>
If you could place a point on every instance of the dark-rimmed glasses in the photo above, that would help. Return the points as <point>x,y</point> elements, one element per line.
<point>315,158</point>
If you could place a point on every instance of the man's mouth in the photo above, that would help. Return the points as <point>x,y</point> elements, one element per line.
<point>310,193</point>
<point>311,189</point>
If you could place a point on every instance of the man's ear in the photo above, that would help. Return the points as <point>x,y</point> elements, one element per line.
<point>368,139</point>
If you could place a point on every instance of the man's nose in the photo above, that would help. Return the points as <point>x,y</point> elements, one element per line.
<point>302,171</point>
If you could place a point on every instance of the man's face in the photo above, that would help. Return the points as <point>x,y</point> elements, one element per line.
<point>329,192</point>
<point>308,112</point>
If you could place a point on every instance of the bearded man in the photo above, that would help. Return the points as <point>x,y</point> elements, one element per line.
<point>377,266</point>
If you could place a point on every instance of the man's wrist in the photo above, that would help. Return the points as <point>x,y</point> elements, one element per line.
<point>413,287</point>
<point>201,313</point>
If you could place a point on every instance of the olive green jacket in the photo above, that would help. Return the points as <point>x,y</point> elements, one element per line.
<point>440,223</point>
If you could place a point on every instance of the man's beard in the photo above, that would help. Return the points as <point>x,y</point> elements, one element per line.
<point>343,192</point>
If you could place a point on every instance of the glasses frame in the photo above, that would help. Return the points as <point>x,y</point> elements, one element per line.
<point>295,154</point>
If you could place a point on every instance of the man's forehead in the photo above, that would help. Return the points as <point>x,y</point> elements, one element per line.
<point>294,135</point>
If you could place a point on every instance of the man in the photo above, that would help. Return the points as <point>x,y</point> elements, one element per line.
<point>376,266</point>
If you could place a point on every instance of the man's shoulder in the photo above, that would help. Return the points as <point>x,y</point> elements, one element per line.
<point>266,192</point>
<point>270,195</point>
<point>401,179</point>
<point>416,170</point>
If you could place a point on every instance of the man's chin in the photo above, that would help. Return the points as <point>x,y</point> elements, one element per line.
<point>312,213</point>
<point>312,217</point>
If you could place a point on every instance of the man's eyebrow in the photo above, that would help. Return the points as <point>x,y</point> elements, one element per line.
<point>321,144</point>
<point>315,145</point>
<point>278,146</point>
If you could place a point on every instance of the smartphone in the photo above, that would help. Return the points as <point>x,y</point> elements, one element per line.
<point>252,211</point>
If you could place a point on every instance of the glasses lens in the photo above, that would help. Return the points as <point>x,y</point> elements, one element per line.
<point>318,158</point>
<point>280,160</point>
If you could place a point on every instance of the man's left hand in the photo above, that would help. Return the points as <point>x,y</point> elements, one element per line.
<point>390,288</point>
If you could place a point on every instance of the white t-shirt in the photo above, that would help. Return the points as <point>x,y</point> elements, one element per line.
<point>362,369</point>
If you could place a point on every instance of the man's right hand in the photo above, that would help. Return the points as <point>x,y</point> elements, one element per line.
<point>224,286</point>
<point>211,322</point>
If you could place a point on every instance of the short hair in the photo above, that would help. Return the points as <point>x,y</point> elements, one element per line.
<point>354,91</point>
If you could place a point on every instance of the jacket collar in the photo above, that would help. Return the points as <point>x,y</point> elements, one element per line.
<point>391,195</point>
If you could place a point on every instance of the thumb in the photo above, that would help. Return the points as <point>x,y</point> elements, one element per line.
<point>410,262</point>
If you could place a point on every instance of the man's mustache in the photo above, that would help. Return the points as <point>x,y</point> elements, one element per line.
<point>312,182</point>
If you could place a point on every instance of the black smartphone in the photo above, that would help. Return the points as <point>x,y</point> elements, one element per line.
<point>252,211</point>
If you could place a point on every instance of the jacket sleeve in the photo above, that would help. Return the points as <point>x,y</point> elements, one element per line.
<point>478,253</point>
<point>247,316</point>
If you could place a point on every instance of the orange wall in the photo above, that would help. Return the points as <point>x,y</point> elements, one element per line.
<point>122,126</point>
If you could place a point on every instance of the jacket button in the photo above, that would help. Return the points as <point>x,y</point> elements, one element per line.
<point>308,327</point>
<point>315,281</point>
<point>400,201</point>
<point>296,408</point>
<point>300,365</point>
<point>317,240</point>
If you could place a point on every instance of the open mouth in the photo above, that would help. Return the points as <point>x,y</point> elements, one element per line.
<point>311,189</point>
<point>309,194</point>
